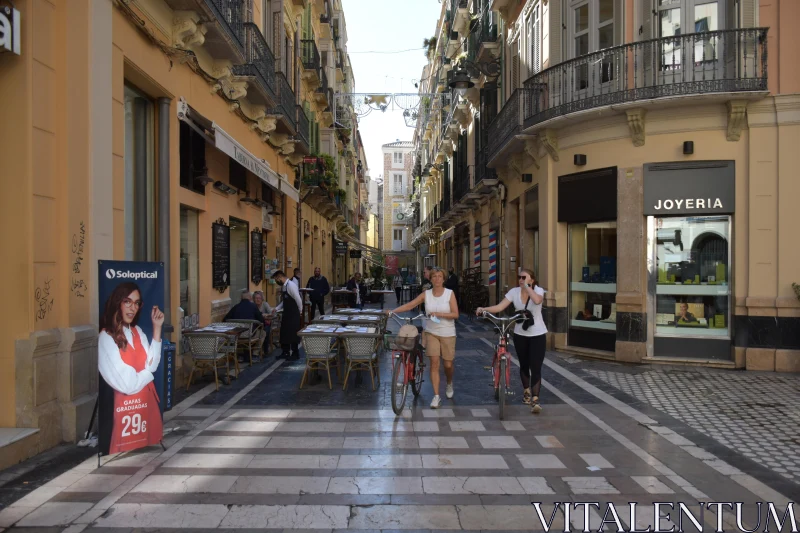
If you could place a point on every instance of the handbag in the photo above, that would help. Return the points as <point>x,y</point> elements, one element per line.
<point>528,322</point>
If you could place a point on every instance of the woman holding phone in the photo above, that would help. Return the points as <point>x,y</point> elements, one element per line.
<point>127,362</point>
<point>530,336</point>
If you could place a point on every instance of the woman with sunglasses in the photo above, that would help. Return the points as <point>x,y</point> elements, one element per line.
<point>127,362</point>
<point>530,336</point>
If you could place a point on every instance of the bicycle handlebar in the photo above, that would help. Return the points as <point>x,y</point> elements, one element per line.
<point>506,322</point>
<point>404,319</point>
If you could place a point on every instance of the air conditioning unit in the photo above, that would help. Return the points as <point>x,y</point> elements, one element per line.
<point>266,219</point>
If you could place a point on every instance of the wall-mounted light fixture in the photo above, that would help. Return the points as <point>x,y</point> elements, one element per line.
<point>527,178</point>
<point>203,179</point>
<point>580,159</point>
<point>688,147</point>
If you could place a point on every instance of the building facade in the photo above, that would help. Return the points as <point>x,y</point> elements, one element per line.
<point>140,128</point>
<point>637,156</point>
<point>398,161</point>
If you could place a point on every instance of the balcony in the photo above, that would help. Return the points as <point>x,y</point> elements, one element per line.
<point>461,17</point>
<point>721,62</point>
<point>303,131</point>
<point>311,62</point>
<point>489,47</point>
<point>259,68</point>
<point>320,188</point>
<point>507,125</point>
<point>285,106</point>
<point>323,94</point>
<point>224,22</point>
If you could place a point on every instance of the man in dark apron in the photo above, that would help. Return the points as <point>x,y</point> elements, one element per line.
<point>291,304</point>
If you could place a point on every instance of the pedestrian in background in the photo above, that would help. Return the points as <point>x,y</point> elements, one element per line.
<point>291,305</point>
<point>452,283</point>
<point>320,288</point>
<point>359,290</point>
<point>398,288</point>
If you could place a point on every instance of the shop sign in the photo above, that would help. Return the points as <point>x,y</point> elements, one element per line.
<point>10,30</point>
<point>701,188</point>
<point>341,248</point>
<point>355,254</point>
<point>256,256</point>
<point>228,145</point>
<point>220,255</point>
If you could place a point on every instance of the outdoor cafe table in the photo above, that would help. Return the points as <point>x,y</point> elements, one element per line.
<point>337,332</point>
<point>361,319</point>
<point>383,293</point>
<point>231,330</point>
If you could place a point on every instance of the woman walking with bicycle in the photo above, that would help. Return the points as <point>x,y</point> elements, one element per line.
<point>439,337</point>
<point>530,336</point>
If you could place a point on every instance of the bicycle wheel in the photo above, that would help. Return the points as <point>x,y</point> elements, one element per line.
<point>502,388</point>
<point>399,386</point>
<point>419,371</point>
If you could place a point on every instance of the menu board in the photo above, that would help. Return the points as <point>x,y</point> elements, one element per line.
<point>257,256</point>
<point>341,248</point>
<point>220,255</point>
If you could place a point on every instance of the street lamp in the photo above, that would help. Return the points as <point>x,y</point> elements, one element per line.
<point>461,82</point>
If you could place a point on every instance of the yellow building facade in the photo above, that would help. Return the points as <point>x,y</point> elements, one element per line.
<point>640,170</point>
<point>133,127</point>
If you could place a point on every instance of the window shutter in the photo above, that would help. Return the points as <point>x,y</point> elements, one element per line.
<point>535,41</point>
<point>648,52</point>
<point>748,17</point>
<point>515,70</point>
<point>555,31</point>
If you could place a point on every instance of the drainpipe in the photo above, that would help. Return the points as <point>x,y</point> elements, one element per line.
<point>164,206</point>
<point>140,180</point>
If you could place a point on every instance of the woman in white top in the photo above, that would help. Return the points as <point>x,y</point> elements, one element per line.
<point>530,339</point>
<point>439,337</point>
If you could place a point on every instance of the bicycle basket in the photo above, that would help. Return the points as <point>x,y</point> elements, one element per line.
<point>406,338</point>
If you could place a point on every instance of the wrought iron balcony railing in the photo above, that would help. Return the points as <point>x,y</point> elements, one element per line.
<point>232,14</point>
<point>286,101</point>
<point>489,27</point>
<point>303,128</point>
<point>698,63</point>
<point>483,173</point>
<point>310,55</point>
<point>260,62</point>
<point>508,122</point>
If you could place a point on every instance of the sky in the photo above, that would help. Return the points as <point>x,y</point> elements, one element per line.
<point>386,25</point>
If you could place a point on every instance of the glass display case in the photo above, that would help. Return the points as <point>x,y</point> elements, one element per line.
<point>692,266</point>
<point>593,285</point>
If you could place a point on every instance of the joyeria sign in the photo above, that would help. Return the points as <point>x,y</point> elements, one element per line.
<point>9,30</point>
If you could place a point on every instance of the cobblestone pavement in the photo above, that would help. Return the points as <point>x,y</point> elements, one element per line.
<point>263,455</point>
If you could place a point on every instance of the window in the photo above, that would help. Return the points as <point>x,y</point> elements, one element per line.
<point>398,185</point>
<point>593,284</point>
<point>692,288</point>
<point>190,261</point>
<point>680,17</point>
<point>192,158</point>
<point>398,158</point>
<point>592,27</point>
<point>140,236</point>
<point>534,41</point>
<point>398,235</point>
<point>237,175</point>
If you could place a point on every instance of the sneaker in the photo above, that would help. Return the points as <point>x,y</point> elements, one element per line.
<point>436,401</point>
<point>535,407</point>
<point>526,397</point>
<point>449,391</point>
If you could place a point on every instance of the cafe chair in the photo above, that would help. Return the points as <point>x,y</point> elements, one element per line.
<point>208,351</point>
<point>232,348</point>
<point>362,354</point>
<point>321,353</point>
<point>252,339</point>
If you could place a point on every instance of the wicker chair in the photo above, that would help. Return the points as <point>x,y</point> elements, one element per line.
<point>362,354</point>
<point>321,353</point>
<point>209,351</point>
<point>253,339</point>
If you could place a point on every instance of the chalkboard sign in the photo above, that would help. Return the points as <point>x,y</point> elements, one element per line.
<point>355,254</point>
<point>341,248</point>
<point>220,255</point>
<point>256,256</point>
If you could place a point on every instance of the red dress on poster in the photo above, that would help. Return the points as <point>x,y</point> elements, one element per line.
<point>137,417</point>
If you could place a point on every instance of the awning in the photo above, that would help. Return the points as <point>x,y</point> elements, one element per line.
<point>228,145</point>
<point>288,189</point>
<point>447,234</point>
<point>358,245</point>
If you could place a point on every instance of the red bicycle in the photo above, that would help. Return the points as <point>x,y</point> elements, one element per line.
<point>501,364</point>
<point>408,363</point>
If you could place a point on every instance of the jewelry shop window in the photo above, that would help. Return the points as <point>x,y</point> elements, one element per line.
<point>593,276</point>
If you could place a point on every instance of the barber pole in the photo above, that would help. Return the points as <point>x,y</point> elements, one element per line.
<point>477,251</point>
<point>493,257</point>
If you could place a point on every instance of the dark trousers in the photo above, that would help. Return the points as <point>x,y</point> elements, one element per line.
<point>290,350</point>
<point>530,352</point>
<point>399,292</point>
<point>317,305</point>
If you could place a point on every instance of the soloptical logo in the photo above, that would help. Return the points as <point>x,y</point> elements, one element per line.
<point>127,274</point>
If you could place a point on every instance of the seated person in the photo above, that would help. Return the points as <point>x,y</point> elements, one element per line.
<point>586,315</point>
<point>359,290</point>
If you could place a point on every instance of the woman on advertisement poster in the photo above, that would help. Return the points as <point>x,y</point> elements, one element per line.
<point>127,362</point>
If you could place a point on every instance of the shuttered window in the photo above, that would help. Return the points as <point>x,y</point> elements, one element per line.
<point>534,41</point>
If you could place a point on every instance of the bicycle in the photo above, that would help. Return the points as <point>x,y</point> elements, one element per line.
<point>408,364</point>
<point>501,368</point>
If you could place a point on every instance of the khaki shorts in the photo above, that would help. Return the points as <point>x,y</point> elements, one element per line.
<point>444,347</point>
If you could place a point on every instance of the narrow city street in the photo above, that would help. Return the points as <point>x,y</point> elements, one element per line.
<point>264,455</point>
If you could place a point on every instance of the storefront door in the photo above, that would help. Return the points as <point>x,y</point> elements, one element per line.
<point>240,281</point>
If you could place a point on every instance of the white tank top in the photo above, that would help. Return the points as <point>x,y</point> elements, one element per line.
<point>446,327</point>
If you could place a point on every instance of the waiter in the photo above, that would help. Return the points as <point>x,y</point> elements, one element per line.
<point>290,304</point>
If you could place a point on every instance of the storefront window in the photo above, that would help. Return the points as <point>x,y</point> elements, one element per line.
<point>593,284</point>
<point>693,276</point>
<point>189,262</point>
